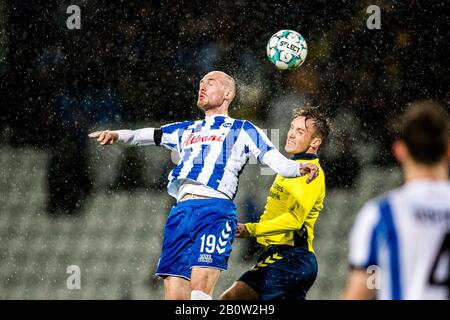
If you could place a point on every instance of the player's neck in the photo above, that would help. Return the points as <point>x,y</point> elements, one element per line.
<point>217,111</point>
<point>207,114</point>
<point>414,172</point>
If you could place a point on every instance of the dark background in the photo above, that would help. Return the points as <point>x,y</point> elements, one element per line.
<point>149,56</point>
<point>141,61</point>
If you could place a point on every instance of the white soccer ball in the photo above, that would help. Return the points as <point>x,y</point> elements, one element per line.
<point>287,49</point>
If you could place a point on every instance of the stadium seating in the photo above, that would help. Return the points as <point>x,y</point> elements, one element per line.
<point>116,239</point>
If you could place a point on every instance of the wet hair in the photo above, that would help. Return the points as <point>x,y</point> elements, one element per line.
<point>425,129</point>
<point>321,123</point>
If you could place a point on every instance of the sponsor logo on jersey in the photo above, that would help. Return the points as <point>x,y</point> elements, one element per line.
<point>196,138</point>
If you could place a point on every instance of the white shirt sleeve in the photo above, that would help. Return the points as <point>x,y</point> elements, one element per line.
<point>363,240</point>
<point>172,134</point>
<point>263,149</point>
<point>170,139</point>
<point>140,137</point>
<point>280,164</point>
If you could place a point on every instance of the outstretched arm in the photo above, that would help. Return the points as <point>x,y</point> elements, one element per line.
<point>289,168</point>
<point>262,148</point>
<point>141,137</point>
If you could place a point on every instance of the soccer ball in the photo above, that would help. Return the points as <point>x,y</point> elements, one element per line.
<point>287,49</point>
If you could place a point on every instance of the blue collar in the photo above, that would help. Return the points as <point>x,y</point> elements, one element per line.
<point>305,156</point>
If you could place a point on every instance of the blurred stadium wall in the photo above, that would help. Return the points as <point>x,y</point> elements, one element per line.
<point>116,239</point>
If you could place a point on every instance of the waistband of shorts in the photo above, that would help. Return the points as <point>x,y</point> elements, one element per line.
<point>282,247</point>
<point>299,242</point>
<point>206,201</point>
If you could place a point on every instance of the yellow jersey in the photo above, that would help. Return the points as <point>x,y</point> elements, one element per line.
<point>292,208</point>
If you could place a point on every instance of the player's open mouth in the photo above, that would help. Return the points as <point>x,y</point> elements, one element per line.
<point>291,142</point>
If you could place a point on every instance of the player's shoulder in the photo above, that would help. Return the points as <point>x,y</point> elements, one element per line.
<point>371,208</point>
<point>247,124</point>
<point>171,127</point>
<point>318,182</point>
<point>239,122</point>
<point>439,187</point>
<point>310,158</point>
<point>383,197</point>
<point>369,213</point>
<point>423,193</point>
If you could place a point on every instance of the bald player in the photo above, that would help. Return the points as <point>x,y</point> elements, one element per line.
<point>213,151</point>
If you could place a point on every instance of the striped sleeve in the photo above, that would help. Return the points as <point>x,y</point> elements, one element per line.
<point>258,143</point>
<point>263,149</point>
<point>172,134</point>
<point>139,137</point>
<point>363,243</point>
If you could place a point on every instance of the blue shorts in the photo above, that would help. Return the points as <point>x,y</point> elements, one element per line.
<point>198,232</point>
<point>282,273</point>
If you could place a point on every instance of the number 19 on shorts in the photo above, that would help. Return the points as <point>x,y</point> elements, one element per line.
<point>208,243</point>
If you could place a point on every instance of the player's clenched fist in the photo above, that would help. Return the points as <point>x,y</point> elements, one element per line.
<point>104,137</point>
<point>241,231</point>
<point>310,169</point>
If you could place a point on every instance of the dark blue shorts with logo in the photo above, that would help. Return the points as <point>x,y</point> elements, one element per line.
<point>198,232</point>
<point>283,272</point>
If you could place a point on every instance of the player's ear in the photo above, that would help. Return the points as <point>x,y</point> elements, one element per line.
<point>229,94</point>
<point>316,142</point>
<point>399,150</point>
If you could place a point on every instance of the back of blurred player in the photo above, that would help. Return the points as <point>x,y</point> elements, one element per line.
<point>406,232</point>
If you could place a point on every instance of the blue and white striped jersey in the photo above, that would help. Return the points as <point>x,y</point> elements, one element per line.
<point>214,151</point>
<point>406,233</point>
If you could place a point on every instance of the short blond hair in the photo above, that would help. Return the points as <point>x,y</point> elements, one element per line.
<point>321,122</point>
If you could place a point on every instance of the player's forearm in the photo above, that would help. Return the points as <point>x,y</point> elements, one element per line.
<point>281,224</point>
<point>281,165</point>
<point>140,137</point>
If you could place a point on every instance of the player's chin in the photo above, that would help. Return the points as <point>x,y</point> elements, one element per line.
<point>205,106</point>
<point>201,104</point>
<point>289,149</point>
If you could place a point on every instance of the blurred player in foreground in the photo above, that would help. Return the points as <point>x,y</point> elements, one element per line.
<point>200,229</point>
<point>288,266</point>
<point>400,242</point>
